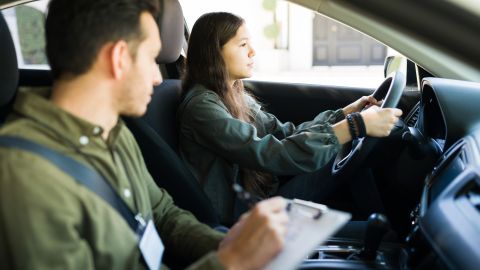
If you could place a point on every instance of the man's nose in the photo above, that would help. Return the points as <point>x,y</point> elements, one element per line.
<point>157,78</point>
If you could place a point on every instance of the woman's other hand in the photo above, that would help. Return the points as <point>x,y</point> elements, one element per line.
<point>360,104</point>
<point>379,122</point>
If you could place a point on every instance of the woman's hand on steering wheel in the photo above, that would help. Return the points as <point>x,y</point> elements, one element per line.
<point>379,122</point>
<point>360,104</point>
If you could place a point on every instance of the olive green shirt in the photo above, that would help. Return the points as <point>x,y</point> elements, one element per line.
<point>49,221</point>
<point>212,142</point>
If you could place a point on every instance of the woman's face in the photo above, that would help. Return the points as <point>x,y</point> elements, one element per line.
<point>238,55</point>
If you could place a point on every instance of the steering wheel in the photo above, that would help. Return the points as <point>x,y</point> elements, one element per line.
<point>353,154</point>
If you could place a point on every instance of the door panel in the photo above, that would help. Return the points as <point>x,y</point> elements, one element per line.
<point>302,102</point>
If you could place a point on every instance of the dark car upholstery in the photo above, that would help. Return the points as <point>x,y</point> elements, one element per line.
<point>8,69</point>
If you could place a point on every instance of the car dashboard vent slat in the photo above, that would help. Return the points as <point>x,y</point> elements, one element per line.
<point>412,117</point>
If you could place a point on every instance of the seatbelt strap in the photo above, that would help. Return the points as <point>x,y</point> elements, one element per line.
<point>82,174</point>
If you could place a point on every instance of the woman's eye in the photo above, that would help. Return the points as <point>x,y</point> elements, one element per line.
<point>243,44</point>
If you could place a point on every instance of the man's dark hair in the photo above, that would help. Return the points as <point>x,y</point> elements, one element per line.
<point>77,29</point>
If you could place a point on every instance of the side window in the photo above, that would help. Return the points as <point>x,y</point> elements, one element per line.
<point>294,44</point>
<point>27,27</point>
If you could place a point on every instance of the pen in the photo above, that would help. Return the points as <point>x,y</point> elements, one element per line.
<point>245,196</point>
<point>250,199</point>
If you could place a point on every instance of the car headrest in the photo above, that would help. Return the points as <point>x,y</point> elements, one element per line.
<point>8,66</point>
<point>171,26</point>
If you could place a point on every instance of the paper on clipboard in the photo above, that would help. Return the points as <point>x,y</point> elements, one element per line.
<point>310,225</point>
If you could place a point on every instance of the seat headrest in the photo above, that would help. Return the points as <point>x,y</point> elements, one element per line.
<point>8,66</point>
<point>171,26</point>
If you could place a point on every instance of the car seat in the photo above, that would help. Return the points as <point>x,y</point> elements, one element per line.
<point>156,131</point>
<point>8,70</point>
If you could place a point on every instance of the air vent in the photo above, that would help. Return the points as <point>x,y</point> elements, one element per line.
<point>455,151</point>
<point>412,117</point>
<point>450,165</point>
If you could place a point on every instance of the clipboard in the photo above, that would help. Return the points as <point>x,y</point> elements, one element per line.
<point>310,224</point>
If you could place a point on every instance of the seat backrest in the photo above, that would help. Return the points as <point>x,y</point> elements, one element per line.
<point>170,173</point>
<point>156,132</point>
<point>8,69</point>
<point>161,113</point>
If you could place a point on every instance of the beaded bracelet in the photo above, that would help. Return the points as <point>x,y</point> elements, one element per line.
<point>351,126</point>
<point>362,130</point>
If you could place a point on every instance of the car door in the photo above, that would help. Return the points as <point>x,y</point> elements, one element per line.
<point>298,102</point>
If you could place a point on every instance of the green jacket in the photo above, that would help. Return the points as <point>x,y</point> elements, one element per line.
<point>49,221</point>
<point>212,142</point>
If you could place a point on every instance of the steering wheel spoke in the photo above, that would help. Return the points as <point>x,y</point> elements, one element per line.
<point>352,155</point>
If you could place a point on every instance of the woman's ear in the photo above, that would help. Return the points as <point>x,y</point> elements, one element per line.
<point>120,59</point>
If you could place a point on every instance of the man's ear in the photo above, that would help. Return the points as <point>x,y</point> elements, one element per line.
<point>120,59</point>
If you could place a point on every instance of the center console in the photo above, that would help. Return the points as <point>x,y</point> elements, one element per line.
<point>351,253</point>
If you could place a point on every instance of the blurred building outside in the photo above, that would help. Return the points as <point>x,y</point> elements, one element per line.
<point>298,53</point>
<point>292,44</point>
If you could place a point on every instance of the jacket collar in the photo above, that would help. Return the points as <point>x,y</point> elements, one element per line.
<point>35,105</point>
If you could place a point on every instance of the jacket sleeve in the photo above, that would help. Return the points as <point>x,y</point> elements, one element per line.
<point>284,129</point>
<point>208,262</point>
<point>272,125</point>
<point>301,150</point>
<point>38,221</point>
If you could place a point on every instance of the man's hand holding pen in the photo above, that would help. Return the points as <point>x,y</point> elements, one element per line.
<point>257,237</point>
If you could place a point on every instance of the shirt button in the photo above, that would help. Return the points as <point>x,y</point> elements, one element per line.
<point>84,140</point>
<point>127,193</point>
<point>97,130</point>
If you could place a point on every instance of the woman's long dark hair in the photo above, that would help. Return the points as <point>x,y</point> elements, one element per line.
<point>205,66</point>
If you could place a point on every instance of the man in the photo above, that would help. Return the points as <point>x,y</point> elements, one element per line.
<point>102,55</point>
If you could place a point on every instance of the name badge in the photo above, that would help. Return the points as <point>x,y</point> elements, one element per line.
<point>151,247</point>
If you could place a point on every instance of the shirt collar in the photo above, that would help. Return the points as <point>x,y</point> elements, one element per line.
<point>34,104</point>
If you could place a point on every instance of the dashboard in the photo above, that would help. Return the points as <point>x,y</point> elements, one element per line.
<point>431,121</point>
<point>444,232</point>
<point>446,223</point>
<point>448,110</point>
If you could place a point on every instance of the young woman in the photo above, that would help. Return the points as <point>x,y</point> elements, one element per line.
<point>225,136</point>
